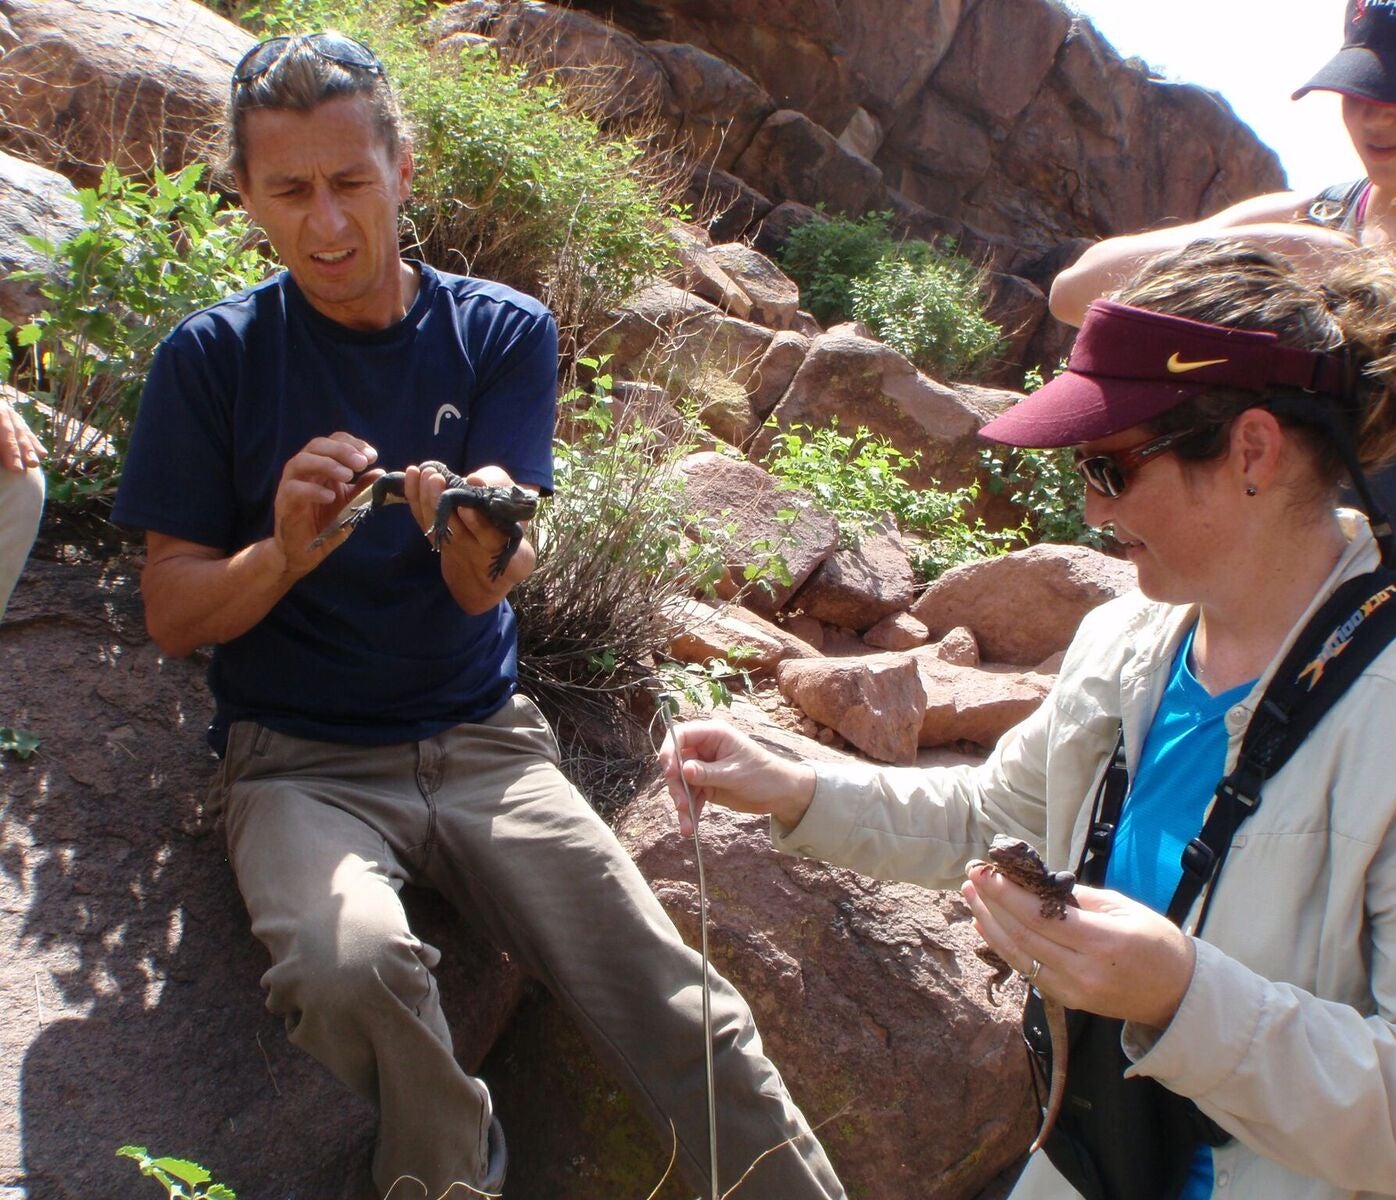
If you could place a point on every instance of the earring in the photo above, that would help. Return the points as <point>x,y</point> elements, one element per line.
<point>1250,491</point>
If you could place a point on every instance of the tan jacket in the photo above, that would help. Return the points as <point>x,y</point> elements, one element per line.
<point>1285,1036</point>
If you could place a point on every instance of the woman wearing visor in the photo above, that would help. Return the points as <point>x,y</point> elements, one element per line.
<point>1216,405</point>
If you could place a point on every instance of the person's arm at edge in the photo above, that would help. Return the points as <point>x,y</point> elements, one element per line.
<point>1274,221</point>
<point>20,450</point>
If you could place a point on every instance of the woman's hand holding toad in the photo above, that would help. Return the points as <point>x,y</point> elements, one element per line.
<point>1112,955</point>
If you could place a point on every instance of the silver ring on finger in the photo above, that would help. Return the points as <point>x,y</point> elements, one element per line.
<point>1031,976</point>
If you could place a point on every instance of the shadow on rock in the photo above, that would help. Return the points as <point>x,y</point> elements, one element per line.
<point>129,971</point>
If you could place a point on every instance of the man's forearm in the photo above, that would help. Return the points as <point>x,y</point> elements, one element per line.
<point>193,601</point>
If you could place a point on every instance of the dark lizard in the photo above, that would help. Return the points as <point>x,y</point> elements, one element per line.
<point>505,508</point>
<point>1020,863</point>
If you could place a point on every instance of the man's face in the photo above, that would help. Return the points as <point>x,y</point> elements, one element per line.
<point>326,191</point>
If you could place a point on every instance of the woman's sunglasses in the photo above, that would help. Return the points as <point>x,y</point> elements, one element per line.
<point>332,47</point>
<point>1109,473</point>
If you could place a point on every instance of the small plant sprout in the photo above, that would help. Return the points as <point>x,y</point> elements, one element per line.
<point>19,742</point>
<point>182,1179</point>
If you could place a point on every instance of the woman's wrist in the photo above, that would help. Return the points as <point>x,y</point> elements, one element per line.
<point>796,795</point>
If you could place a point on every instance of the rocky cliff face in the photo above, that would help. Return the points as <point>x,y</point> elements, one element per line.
<point>1012,116</point>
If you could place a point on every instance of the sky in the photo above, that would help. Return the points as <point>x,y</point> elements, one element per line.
<point>1255,54</point>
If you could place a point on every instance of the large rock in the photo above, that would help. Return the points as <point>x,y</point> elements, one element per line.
<point>774,372</point>
<point>852,382</point>
<point>858,585</point>
<point>697,270</point>
<point>971,703</point>
<point>1024,606</point>
<point>823,57</point>
<point>1018,308</point>
<point>711,108</point>
<point>34,202</point>
<point>774,296</point>
<point>719,108</point>
<point>1070,140</point>
<point>735,635</point>
<point>875,701</point>
<point>1080,161</point>
<point>604,68</point>
<point>666,334</point>
<point>792,158</point>
<point>726,491</point>
<point>1025,33</point>
<point>869,998</point>
<point>723,204</point>
<point>141,83</point>
<point>900,631</point>
<point>937,137</point>
<point>127,966</point>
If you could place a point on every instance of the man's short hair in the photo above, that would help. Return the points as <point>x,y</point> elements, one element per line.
<point>300,79</point>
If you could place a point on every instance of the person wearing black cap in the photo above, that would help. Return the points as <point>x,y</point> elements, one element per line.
<point>1215,405</point>
<point>1311,228</point>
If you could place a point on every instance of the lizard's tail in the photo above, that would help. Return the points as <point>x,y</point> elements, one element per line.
<point>1056,1028</point>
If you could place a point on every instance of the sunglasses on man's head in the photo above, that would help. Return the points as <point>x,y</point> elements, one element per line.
<point>332,47</point>
<point>1109,473</point>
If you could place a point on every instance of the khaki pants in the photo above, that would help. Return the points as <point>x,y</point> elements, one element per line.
<point>322,837</point>
<point>21,506</point>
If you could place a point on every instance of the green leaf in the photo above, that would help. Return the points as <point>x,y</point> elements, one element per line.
<point>21,744</point>
<point>183,1169</point>
<point>39,245</point>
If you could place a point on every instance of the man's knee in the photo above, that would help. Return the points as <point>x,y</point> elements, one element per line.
<point>348,953</point>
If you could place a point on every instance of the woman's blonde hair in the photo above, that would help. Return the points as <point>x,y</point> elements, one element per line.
<point>1350,309</point>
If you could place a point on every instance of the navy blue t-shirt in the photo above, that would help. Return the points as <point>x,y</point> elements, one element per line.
<point>370,647</point>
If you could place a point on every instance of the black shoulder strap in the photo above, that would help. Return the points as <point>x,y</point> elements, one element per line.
<point>1354,625</point>
<point>1109,801</point>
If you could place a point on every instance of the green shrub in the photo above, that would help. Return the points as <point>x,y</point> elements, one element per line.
<point>921,301</point>
<point>150,255</point>
<point>860,482</point>
<point>931,311</point>
<point>1046,485</point>
<point>619,553</point>
<point>825,257</point>
<point>512,182</point>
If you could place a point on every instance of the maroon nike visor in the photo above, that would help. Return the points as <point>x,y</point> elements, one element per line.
<point>1129,365</point>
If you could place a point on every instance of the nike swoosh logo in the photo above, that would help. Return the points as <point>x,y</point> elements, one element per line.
<point>1178,367</point>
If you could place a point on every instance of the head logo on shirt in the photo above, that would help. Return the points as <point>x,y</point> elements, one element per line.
<point>446,410</point>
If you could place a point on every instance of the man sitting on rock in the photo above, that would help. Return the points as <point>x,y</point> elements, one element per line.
<point>367,714</point>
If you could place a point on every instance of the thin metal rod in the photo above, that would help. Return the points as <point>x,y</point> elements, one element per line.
<point>715,1193</point>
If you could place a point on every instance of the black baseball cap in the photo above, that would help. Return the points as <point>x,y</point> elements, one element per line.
<point>1366,65</point>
